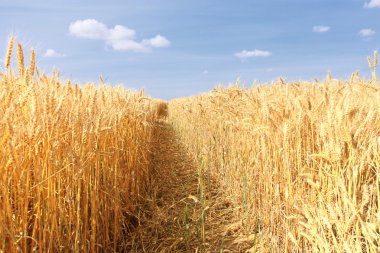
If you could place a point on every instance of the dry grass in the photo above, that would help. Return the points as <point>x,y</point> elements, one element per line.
<point>74,161</point>
<point>300,161</point>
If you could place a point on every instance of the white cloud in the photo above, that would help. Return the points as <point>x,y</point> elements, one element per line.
<point>127,45</point>
<point>205,72</point>
<point>372,4</point>
<point>367,32</point>
<point>321,28</point>
<point>120,32</point>
<point>51,53</point>
<point>120,38</point>
<point>89,29</point>
<point>158,41</point>
<point>255,53</point>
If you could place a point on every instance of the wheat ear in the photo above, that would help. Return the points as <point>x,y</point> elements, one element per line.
<point>374,65</point>
<point>9,52</point>
<point>32,65</point>
<point>329,78</point>
<point>20,59</point>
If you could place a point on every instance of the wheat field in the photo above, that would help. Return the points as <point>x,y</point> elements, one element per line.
<point>300,161</point>
<point>74,161</point>
<point>285,167</point>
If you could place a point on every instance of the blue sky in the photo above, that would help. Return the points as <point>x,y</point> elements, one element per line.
<point>176,48</point>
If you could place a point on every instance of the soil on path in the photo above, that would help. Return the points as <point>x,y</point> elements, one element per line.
<point>175,218</point>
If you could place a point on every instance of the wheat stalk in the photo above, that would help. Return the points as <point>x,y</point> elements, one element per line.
<point>329,78</point>
<point>369,61</point>
<point>9,52</point>
<point>374,65</point>
<point>20,60</point>
<point>32,65</point>
<point>374,59</point>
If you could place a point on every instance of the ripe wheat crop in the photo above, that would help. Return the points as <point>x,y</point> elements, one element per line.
<point>74,161</point>
<point>299,161</point>
<point>295,164</point>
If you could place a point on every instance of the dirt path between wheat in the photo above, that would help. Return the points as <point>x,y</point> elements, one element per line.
<point>172,220</point>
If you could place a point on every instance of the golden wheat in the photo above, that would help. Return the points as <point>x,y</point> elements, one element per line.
<point>32,65</point>
<point>74,167</point>
<point>298,161</point>
<point>20,60</point>
<point>316,129</point>
<point>9,52</point>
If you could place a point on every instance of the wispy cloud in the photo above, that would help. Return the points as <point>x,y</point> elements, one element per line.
<point>51,53</point>
<point>367,32</point>
<point>372,4</point>
<point>321,28</point>
<point>205,72</point>
<point>120,37</point>
<point>255,53</point>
